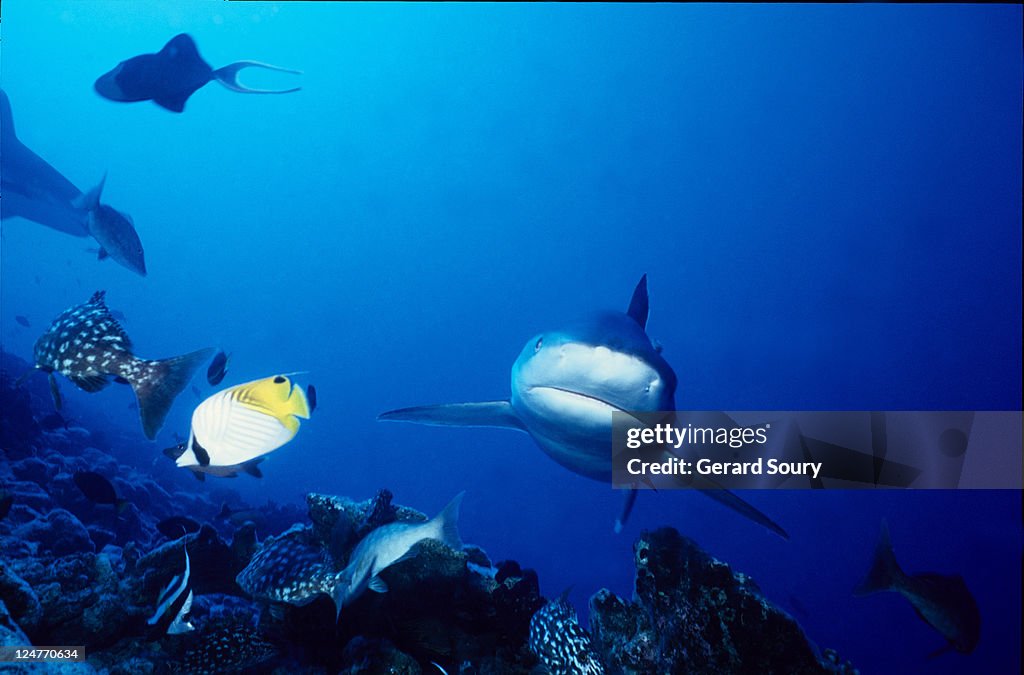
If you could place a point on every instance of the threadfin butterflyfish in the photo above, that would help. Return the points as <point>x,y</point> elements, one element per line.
<point>233,429</point>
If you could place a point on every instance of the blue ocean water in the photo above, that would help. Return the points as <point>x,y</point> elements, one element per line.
<point>826,201</point>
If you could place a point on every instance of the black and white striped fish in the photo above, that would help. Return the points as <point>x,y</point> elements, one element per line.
<point>173,606</point>
<point>89,347</point>
<point>561,644</point>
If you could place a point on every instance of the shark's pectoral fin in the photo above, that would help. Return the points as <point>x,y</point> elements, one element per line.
<point>228,76</point>
<point>483,414</point>
<point>738,504</point>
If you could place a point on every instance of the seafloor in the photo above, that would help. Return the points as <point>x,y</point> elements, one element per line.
<point>73,572</point>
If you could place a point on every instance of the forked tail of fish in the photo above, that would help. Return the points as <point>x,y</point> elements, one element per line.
<point>885,574</point>
<point>157,383</point>
<point>228,76</point>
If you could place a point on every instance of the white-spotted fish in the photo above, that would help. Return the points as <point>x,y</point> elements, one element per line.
<point>291,567</point>
<point>233,429</point>
<point>390,544</point>
<point>173,605</point>
<point>560,643</point>
<point>89,347</point>
<point>228,650</point>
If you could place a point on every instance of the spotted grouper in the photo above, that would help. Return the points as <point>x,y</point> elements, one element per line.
<point>89,347</point>
<point>561,644</point>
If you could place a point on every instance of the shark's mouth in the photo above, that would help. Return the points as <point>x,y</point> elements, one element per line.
<point>571,397</point>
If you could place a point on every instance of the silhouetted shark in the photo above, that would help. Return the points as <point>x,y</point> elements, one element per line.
<point>32,189</point>
<point>173,74</point>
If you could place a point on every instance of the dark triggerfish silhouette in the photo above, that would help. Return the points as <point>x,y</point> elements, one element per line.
<point>173,74</point>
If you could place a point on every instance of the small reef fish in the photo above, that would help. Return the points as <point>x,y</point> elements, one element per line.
<point>113,231</point>
<point>86,345</point>
<point>173,606</point>
<point>218,368</point>
<point>291,567</point>
<point>227,650</point>
<point>99,490</point>
<point>177,526</point>
<point>561,644</point>
<point>23,321</point>
<point>233,429</point>
<point>942,601</point>
<point>390,544</point>
<point>172,75</point>
<point>240,516</point>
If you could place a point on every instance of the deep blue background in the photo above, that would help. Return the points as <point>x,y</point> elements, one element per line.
<point>826,200</point>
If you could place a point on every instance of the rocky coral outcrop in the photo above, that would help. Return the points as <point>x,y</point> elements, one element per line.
<point>693,613</point>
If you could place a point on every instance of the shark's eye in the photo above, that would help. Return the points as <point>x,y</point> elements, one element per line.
<point>536,347</point>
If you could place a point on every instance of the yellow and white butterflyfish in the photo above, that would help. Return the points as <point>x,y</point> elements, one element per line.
<point>233,428</point>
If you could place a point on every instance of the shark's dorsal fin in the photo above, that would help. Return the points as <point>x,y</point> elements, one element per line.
<point>638,306</point>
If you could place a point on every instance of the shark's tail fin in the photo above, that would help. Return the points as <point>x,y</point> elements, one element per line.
<point>447,523</point>
<point>885,574</point>
<point>157,383</point>
<point>228,76</point>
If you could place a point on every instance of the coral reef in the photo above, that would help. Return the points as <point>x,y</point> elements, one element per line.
<point>74,572</point>
<point>693,613</point>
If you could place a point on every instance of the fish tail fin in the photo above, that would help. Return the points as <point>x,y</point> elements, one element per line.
<point>885,574</point>
<point>228,76</point>
<point>338,592</point>
<point>157,383</point>
<point>447,523</point>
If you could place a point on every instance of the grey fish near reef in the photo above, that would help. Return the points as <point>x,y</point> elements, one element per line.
<point>227,650</point>
<point>99,490</point>
<point>290,567</point>
<point>566,384</point>
<point>23,321</point>
<point>942,601</point>
<point>390,544</point>
<point>86,345</point>
<point>218,368</point>
<point>114,231</point>
<point>173,605</point>
<point>561,644</point>
<point>172,75</point>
